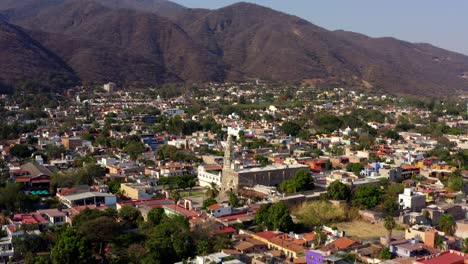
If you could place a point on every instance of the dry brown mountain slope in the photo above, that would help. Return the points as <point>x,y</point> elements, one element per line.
<point>114,40</point>
<point>24,59</point>
<point>126,46</point>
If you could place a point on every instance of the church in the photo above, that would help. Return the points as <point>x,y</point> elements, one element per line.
<point>234,177</point>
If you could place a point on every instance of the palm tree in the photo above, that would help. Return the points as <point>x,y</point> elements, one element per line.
<point>439,243</point>
<point>447,224</point>
<point>464,246</point>
<point>389,224</point>
<point>175,196</point>
<point>213,191</point>
<point>190,184</point>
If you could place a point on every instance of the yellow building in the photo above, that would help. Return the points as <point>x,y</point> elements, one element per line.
<point>136,191</point>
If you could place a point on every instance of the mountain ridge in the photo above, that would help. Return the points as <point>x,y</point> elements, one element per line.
<point>114,40</point>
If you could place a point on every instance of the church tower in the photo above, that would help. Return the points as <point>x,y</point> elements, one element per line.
<point>228,154</point>
<point>229,177</point>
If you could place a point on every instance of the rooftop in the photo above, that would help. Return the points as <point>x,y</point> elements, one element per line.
<point>85,195</point>
<point>447,257</point>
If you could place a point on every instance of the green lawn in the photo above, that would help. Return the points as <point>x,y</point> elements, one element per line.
<point>199,193</point>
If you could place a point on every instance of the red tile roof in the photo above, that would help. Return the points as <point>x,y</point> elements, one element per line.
<point>267,234</point>
<point>341,243</point>
<point>233,217</point>
<point>448,257</point>
<point>227,230</point>
<point>214,207</point>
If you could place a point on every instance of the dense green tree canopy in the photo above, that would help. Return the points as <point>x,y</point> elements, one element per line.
<point>367,196</point>
<point>290,128</point>
<point>338,191</point>
<point>302,181</point>
<point>71,248</point>
<point>275,217</point>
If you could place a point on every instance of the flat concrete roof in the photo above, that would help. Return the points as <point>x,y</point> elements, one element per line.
<point>85,195</point>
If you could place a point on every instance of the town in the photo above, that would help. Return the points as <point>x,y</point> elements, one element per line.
<point>252,172</point>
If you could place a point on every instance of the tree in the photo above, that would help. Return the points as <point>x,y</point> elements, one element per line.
<point>100,230</point>
<point>275,217</point>
<point>213,191</point>
<point>233,200</point>
<point>27,246</point>
<point>392,134</point>
<point>455,182</point>
<point>439,243</point>
<point>169,241</point>
<point>190,184</point>
<point>4,172</point>
<point>54,152</point>
<point>134,149</point>
<point>130,216</point>
<point>355,168</point>
<point>320,236</point>
<point>338,191</point>
<point>447,224</point>
<point>302,181</point>
<point>208,202</point>
<point>464,245</point>
<point>21,151</point>
<point>385,253</point>
<point>88,214</point>
<point>290,128</point>
<point>367,196</point>
<point>175,195</point>
<point>13,199</point>
<point>114,185</point>
<point>176,125</point>
<point>71,248</point>
<point>389,224</point>
<point>156,215</point>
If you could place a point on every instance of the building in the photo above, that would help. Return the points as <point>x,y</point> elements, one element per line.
<point>71,143</point>
<point>208,174</point>
<point>291,245</point>
<point>218,210</point>
<point>173,112</point>
<point>137,191</point>
<point>235,177</point>
<point>212,258</point>
<point>407,171</point>
<point>447,257</point>
<point>406,248</point>
<point>413,201</point>
<point>109,87</point>
<point>56,217</point>
<point>33,177</point>
<point>88,198</point>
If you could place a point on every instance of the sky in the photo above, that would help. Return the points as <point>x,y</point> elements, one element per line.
<point>442,23</point>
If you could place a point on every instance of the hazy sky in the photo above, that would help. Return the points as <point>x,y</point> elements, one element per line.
<point>443,23</point>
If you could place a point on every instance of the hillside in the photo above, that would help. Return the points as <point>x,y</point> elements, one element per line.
<point>24,59</point>
<point>149,42</point>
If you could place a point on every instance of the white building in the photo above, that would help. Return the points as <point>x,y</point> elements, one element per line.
<point>213,258</point>
<point>234,130</point>
<point>218,210</point>
<point>173,112</point>
<point>179,143</point>
<point>89,198</point>
<point>110,87</point>
<point>413,201</point>
<point>208,174</point>
<point>55,217</point>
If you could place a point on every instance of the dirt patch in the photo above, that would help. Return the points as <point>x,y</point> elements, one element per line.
<point>359,229</point>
